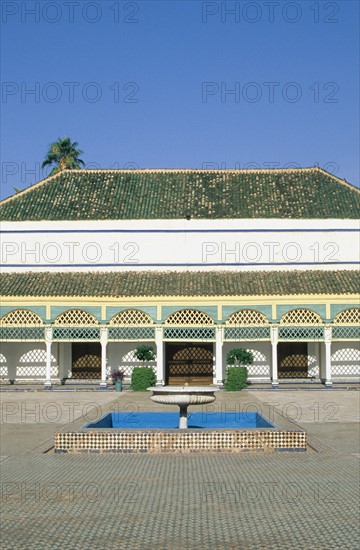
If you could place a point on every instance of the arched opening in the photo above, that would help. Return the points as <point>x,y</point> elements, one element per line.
<point>294,357</point>
<point>189,363</point>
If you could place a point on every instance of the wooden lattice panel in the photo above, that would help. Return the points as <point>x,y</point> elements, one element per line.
<point>76,317</point>
<point>293,361</point>
<point>87,366</point>
<point>193,354</point>
<point>131,317</point>
<point>20,317</point>
<point>300,317</point>
<point>247,317</point>
<point>348,316</point>
<point>189,317</point>
<point>294,366</point>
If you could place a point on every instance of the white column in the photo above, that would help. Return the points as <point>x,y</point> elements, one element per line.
<point>328,382</point>
<point>48,342</point>
<point>274,357</point>
<point>103,341</point>
<point>160,374</point>
<point>219,372</point>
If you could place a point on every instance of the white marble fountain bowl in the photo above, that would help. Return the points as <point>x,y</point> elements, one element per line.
<point>183,395</point>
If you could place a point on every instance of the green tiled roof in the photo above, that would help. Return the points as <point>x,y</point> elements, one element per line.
<point>155,283</point>
<point>174,194</point>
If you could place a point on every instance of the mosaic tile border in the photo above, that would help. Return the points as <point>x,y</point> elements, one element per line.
<point>174,441</point>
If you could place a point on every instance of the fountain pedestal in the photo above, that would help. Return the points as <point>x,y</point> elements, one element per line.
<point>183,396</point>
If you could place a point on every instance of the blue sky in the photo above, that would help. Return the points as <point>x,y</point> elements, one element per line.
<point>180,84</point>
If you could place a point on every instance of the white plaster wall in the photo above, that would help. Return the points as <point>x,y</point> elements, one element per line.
<point>180,244</point>
<point>314,359</point>
<point>65,359</point>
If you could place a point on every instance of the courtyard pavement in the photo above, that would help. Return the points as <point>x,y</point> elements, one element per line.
<point>290,500</point>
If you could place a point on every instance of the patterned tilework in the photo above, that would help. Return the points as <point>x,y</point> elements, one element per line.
<point>179,441</point>
<point>157,283</point>
<point>174,194</point>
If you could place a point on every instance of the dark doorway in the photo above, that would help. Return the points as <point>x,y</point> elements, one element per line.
<point>292,359</point>
<point>189,364</point>
<point>86,360</point>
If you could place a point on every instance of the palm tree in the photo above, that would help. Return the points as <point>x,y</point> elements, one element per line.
<point>65,156</point>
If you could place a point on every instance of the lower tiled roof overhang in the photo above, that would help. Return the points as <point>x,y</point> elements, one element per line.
<point>184,283</point>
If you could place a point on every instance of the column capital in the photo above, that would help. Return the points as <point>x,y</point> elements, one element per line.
<point>274,334</point>
<point>103,335</point>
<point>327,334</point>
<point>48,334</point>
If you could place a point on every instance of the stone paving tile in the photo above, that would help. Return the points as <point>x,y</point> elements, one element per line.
<point>315,407</point>
<point>251,501</point>
<point>146,502</point>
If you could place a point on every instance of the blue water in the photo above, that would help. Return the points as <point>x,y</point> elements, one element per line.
<point>170,420</point>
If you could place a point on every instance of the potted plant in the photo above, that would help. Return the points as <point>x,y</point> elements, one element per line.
<point>118,377</point>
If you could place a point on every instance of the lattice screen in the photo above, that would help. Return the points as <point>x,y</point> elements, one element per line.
<point>76,317</point>
<point>247,317</point>
<point>295,360</point>
<point>301,333</point>
<point>348,316</point>
<point>87,366</point>
<point>294,366</point>
<point>131,333</point>
<point>189,333</point>
<point>131,317</point>
<point>345,332</point>
<point>247,333</point>
<point>189,317</point>
<point>300,317</point>
<point>192,361</point>
<point>20,317</point>
<point>345,362</point>
<point>76,333</point>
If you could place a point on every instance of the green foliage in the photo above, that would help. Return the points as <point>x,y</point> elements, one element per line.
<point>144,352</point>
<point>142,378</point>
<point>236,379</point>
<point>64,155</point>
<point>239,356</point>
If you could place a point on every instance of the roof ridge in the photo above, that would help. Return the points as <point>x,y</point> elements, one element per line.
<point>344,182</point>
<point>33,186</point>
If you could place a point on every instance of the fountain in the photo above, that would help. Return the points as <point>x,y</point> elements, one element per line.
<point>157,432</point>
<point>183,396</point>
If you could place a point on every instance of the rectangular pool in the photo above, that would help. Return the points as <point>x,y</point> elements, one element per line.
<point>170,420</point>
